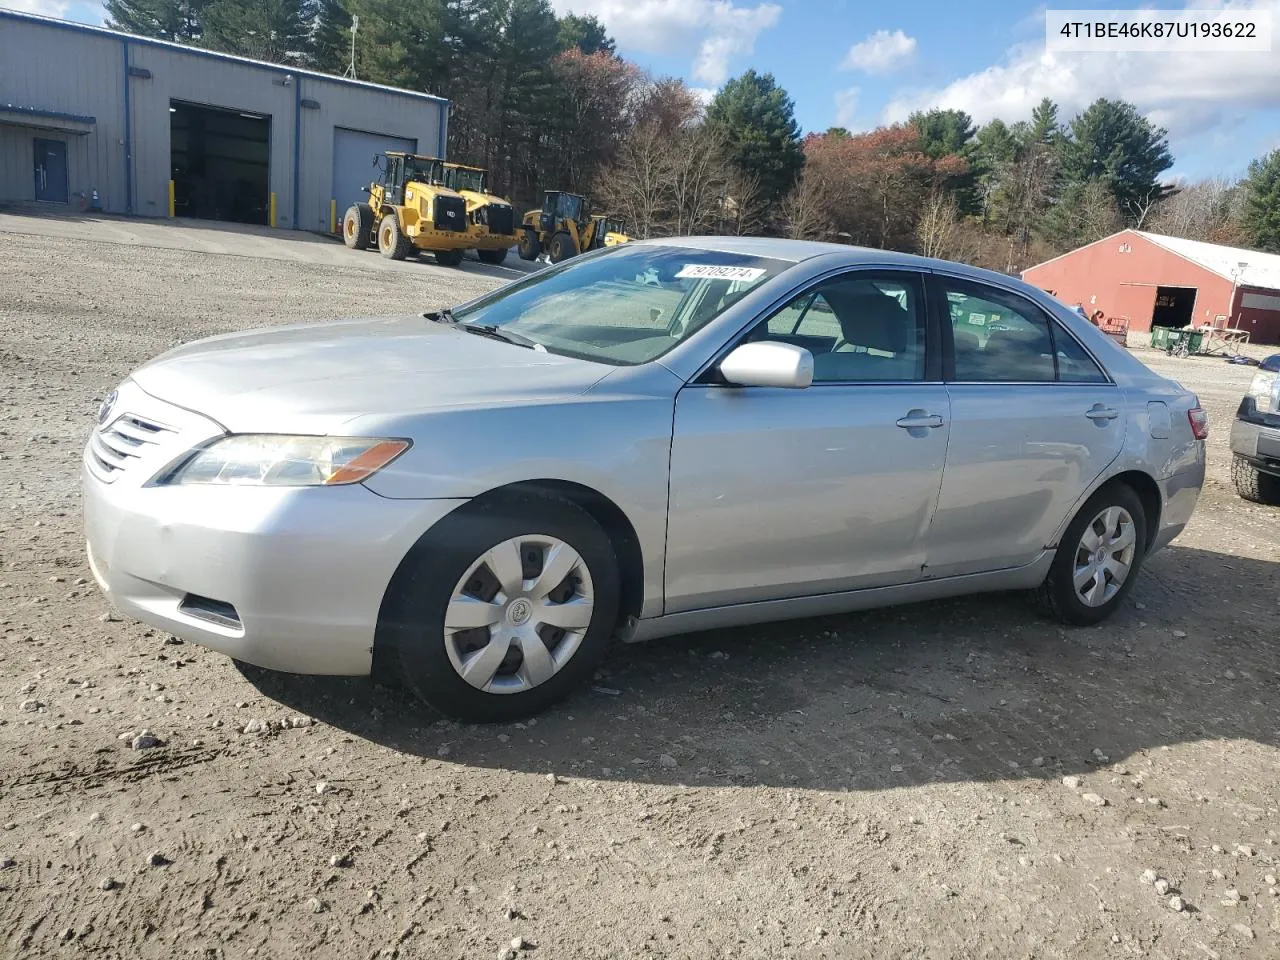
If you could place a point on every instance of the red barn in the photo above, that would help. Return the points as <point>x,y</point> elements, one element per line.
<point>1153,280</point>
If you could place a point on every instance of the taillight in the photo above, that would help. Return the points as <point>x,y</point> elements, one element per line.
<point>1199,421</point>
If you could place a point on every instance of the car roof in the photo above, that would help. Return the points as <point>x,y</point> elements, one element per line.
<point>795,251</point>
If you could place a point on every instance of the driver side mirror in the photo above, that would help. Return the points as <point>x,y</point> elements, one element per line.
<point>768,364</point>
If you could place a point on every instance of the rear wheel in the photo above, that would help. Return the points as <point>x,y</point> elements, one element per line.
<point>1098,558</point>
<point>448,258</point>
<point>357,225</point>
<point>494,257</point>
<point>504,608</point>
<point>392,243</point>
<point>530,246</point>
<point>1254,485</point>
<point>561,247</point>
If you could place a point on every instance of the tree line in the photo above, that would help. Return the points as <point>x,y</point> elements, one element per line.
<point>545,102</point>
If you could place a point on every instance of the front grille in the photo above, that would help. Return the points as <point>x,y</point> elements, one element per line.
<point>501,218</point>
<point>450,214</point>
<point>113,448</point>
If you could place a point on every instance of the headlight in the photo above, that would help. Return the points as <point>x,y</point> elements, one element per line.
<point>1265,391</point>
<point>281,461</point>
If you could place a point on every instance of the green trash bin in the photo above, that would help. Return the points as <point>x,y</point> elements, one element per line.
<point>1195,340</point>
<point>1160,337</point>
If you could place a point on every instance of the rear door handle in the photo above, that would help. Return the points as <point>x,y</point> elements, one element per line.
<point>1099,412</point>
<point>918,419</point>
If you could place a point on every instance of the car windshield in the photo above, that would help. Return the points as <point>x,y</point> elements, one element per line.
<point>624,307</point>
<point>457,178</point>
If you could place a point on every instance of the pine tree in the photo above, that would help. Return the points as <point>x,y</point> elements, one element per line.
<point>1262,203</point>
<point>1114,143</point>
<point>331,42</point>
<point>278,31</point>
<point>756,120</point>
<point>176,20</point>
<point>586,33</point>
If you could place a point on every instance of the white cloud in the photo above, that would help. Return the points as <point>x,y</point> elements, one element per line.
<point>1188,93</point>
<point>881,52</point>
<point>846,107</point>
<point>713,32</point>
<point>704,94</point>
<point>45,8</point>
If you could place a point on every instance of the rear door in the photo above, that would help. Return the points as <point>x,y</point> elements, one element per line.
<point>1034,421</point>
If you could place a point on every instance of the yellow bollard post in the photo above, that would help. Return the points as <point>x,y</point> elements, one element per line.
<point>271,210</point>
<point>171,203</point>
<point>333,216</point>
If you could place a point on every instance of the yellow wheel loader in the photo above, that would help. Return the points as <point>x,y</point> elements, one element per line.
<point>564,227</point>
<point>410,210</point>
<point>491,223</point>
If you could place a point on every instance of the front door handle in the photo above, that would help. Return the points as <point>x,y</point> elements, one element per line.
<point>1099,412</point>
<point>918,419</point>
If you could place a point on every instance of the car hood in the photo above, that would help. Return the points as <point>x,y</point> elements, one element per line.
<point>315,378</point>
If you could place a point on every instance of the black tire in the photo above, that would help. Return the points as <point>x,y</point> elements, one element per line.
<point>392,243</point>
<point>530,246</point>
<point>494,257</point>
<point>1057,596</point>
<point>411,623</point>
<point>1254,485</point>
<point>448,258</point>
<point>561,247</point>
<point>357,226</point>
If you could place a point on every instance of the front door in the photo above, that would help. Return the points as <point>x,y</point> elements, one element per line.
<point>51,170</point>
<point>781,493</point>
<point>1034,421</point>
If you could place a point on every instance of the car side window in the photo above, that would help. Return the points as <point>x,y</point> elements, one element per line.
<point>996,341</point>
<point>861,327</point>
<point>1074,363</point>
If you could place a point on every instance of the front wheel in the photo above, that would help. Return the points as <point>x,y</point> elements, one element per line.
<point>503,608</point>
<point>1254,485</point>
<point>392,243</point>
<point>1098,558</point>
<point>493,257</point>
<point>530,246</point>
<point>448,258</point>
<point>561,248</point>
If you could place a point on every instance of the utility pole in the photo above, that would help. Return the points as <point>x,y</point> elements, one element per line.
<point>351,67</point>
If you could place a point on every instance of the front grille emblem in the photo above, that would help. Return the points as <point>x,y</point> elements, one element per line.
<point>104,408</point>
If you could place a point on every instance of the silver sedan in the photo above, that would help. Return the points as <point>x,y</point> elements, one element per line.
<point>663,437</point>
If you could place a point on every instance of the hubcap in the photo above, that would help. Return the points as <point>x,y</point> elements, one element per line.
<point>518,614</point>
<point>1104,556</point>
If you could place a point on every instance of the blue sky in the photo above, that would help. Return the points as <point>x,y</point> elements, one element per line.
<point>861,64</point>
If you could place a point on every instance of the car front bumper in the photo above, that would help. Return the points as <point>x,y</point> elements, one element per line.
<point>1257,443</point>
<point>288,578</point>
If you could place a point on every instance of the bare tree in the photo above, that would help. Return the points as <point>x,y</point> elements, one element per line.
<point>1141,207</point>
<point>635,187</point>
<point>806,209</point>
<point>1098,214</point>
<point>938,229</point>
<point>744,205</point>
<point>697,177</point>
<point>1205,210</point>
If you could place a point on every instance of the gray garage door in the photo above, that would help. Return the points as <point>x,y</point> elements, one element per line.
<point>353,168</point>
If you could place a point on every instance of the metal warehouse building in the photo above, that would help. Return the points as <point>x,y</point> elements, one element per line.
<point>1157,281</point>
<point>159,129</point>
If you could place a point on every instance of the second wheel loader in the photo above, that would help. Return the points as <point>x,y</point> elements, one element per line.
<point>565,227</point>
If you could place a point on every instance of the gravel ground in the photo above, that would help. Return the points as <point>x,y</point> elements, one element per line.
<point>950,779</point>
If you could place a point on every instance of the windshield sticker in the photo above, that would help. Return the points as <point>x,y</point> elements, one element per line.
<point>710,271</point>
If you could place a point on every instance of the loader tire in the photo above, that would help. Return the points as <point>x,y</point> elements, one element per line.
<point>392,243</point>
<point>529,247</point>
<point>357,226</point>
<point>493,257</point>
<point>561,247</point>
<point>448,258</point>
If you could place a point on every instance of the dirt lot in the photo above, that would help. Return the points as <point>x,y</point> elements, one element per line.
<point>882,785</point>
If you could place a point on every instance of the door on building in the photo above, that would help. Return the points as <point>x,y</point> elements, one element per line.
<point>355,155</point>
<point>221,163</point>
<point>51,170</point>
<point>1174,307</point>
